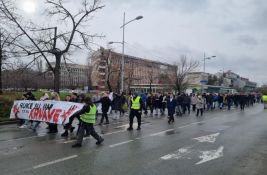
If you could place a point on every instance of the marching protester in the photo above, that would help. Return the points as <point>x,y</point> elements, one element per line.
<point>186,103</point>
<point>144,100</point>
<point>69,126</point>
<point>105,105</point>
<point>242,101</point>
<point>200,105</point>
<point>123,104</point>
<point>209,101</point>
<point>116,106</point>
<point>220,101</point>
<point>179,108</point>
<point>88,119</point>
<point>74,97</point>
<point>136,105</point>
<point>157,104</point>
<point>193,102</point>
<point>149,103</point>
<point>27,96</point>
<point>171,105</point>
<point>37,123</point>
<point>51,126</point>
<point>229,100</point>
<point>163,103</point>
<point>22,121</point>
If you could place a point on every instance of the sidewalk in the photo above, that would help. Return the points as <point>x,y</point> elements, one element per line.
<point>7,121</point>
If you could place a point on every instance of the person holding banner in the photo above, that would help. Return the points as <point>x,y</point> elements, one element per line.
<point>53,127</point>
<point>88,119</point>
<point>27,96</point>
<point>37,123</point>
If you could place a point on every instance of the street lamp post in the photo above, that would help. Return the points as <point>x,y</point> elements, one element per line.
<point>204,59</point>
<point>123,43</point>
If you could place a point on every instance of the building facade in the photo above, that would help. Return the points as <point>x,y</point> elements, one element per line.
<point>226,82</point>
<point>197,78</point>
<point>139,74</point>
<point>72,76</point>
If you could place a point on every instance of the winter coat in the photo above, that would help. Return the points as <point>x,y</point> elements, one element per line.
<point>157,102</point>
<point>220,99</point>
<point>186,100</point>
<point>171,105</point>
<point>149,100</point>
<point>180,100</point>
<point>193,100</point>
<point>200,103</point>
<point>209,99</point>
<point>116,103</point>
<point>106,103</point>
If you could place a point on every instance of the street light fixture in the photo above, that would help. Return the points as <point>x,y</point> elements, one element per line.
<point>207,58</point>
<point>114,42</point>
<point>123,43</point>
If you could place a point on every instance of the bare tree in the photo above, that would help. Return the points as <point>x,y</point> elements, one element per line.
<point>7,49</point>
<point>110,69</point>
<point>183,67</point>
<point>2,57</point>
<point>56,43</point>
<point>130,77</point>
<point>151,78</point>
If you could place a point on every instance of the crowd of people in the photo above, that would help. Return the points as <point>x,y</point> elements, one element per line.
<point>148,104</point>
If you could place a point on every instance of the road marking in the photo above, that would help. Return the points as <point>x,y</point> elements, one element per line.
<point>160,133</point>
<point>74,140</point>
<point>180,153</point>
<point>208,138</point>
<point>210,155</point>
<point>23,138</point>
<point>121,143</point>
<point>54,161</point>
<point>180,127</point>
<point>134,125</point>
<point>110,133</point>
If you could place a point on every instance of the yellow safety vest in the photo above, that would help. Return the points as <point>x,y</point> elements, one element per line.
<point>264,98</point>
<point>136,103</point>
<point>90,117</point>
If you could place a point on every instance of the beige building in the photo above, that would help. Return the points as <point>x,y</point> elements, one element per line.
<point>196,78</point>
<point>72,76</point>
<point>139,74</point>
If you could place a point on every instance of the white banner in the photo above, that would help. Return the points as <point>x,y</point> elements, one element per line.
<point>50,111</point>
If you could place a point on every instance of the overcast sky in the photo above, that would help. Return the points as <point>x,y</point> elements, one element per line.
<point>233,30</point>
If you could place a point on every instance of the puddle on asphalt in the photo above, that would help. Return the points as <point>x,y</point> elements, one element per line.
<point>170,132</point>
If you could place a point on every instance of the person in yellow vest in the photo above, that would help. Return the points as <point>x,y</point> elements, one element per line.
<point>264,100</point>
<point>136,105</point>
<point>88,119</point>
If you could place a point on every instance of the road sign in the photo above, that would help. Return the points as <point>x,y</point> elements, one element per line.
<point>204,81</point>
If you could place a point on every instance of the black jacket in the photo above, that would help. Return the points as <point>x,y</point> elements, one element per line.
<point>105,102</point>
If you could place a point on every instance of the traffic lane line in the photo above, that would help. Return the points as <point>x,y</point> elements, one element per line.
<point>54,161</point>
<point>120,143</point>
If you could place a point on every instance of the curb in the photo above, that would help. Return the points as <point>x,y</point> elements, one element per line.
<point>8,122</point>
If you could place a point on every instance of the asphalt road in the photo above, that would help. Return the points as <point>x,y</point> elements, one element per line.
<point>220,142</point>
